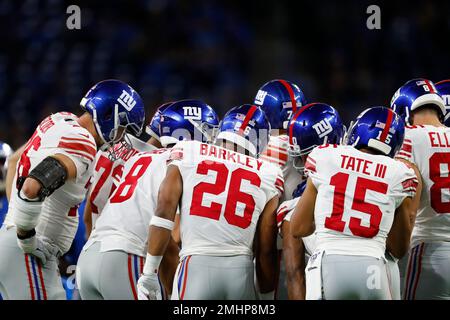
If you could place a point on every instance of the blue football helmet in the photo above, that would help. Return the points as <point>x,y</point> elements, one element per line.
<point>5,153</point>
<point>187,120</point>
<point>247,126</point>
<point>443,87</point>
<point>299,190</point>
<point>313,125</point>
<point>378,128</point>
<point>279,99</point>
<point>152,128</point>
<point>415,94</point>
<point>116,108</point>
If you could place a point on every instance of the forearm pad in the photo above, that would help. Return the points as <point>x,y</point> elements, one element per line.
<point>51,174</point>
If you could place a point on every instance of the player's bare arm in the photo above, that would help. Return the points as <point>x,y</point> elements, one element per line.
<point>266,248</point>
<point>169,265</point>
<point>12,163</point>
<point>416,200</point>
<point>160,231</point>
<point>87,218</point>
<point>294,262</point>
<point>399,236</point>
<point>302,221</point>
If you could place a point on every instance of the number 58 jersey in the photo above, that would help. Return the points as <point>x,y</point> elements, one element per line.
<point>428,147</point>
<point>224,193</point>
<point>358,194</point>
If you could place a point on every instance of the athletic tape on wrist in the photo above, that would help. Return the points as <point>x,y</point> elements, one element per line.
<point>161,222</point>
<point>151,264</point>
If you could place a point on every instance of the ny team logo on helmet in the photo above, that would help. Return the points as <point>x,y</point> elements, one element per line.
<point>313,125</point>
<point>152,128</point>
<point>279,99</point>
<point>116,108</point>
<point>378,128</point>
<point>443,87</point>
<point>187,120</point>
<point>414,94</point>
<point>247,126</point>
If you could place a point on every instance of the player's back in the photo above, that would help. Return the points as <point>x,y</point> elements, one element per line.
<point>58,134</point>
<point>224,193</point>
<point>123,224</point>
<point>428,147</point>
<point>358,194</point>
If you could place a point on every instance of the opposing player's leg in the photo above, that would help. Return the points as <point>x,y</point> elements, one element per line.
<point>354,277</point>
<point>22,276</point>
<point>214,278</point>
<point>428,273</point>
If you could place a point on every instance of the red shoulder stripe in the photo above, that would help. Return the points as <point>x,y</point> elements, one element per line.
<point>75,146</point>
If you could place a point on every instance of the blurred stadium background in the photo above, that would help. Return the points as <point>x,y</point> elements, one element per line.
<point>220,52</point>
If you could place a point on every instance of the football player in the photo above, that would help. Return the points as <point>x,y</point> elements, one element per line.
<point>51,181</point>
<point>358,201</point>
<point>304,136</point>
<point>427,148</point>
<point>279,99</point>
<point>5,153</point>
<point>107,172</point>
<point>118,244</point>
<point>228,199</point>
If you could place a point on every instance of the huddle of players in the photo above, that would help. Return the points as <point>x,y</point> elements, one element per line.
<point>197,211</point>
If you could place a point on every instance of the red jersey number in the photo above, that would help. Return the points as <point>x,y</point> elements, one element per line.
<point>234,196</point>
<point>335,222</point>
<point>439,182</point>
<point>126,189</point>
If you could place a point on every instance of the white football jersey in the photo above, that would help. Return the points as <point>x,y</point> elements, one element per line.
<point>224,193</point>
<point>58,134</point>
<point>276,152</point>
<point>428,147</point>
<point>124,222</point>
<point>358,194</point>
<point>107,174</point>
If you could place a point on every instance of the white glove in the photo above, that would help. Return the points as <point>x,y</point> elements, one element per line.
<point>35,247</point>
<point>148,287</point>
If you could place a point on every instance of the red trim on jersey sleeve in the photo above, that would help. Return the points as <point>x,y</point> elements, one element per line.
<point>281,214</point>
<point>77,146</point>
<point>410,185</point>
<point>176,154</point>
<point>407,147</point>
<point>279,184</point>
<point>83,155</point>
<point>402,154</point>
<point>310,165</point>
